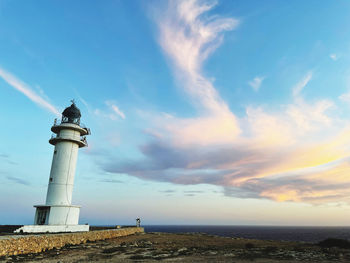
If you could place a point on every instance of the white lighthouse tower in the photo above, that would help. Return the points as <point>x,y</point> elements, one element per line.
<point>58,214</point>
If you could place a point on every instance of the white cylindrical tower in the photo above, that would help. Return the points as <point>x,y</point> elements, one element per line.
<point>69,136</point>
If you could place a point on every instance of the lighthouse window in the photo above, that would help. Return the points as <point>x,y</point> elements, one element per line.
<point>50,179</point>
<point>55,151</point>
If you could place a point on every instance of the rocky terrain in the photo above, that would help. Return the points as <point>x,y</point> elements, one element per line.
<point>155,247</point>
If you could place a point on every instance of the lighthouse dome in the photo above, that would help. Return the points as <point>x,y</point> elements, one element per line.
<point>71,114</point>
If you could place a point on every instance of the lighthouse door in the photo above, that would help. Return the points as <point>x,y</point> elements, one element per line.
<point>42,215</point>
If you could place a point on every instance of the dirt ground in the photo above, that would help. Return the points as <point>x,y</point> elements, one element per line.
<point>163,247</point>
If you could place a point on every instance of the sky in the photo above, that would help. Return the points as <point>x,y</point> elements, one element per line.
<point>201,112</point>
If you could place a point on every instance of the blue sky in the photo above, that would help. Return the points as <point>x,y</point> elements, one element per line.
<point>201,112</point>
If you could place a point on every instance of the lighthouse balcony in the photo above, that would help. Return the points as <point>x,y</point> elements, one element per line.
<point>80,140</point>
<point>77,126</point>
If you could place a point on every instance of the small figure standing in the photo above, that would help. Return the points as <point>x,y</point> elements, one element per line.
<point>138,222</point>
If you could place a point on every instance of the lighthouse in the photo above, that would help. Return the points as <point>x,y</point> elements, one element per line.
<point>58,214</point>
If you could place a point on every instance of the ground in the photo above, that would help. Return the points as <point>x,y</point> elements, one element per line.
<point>155,247</point>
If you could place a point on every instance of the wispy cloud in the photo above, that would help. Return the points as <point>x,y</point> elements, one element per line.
<point>345,97</point>
<point>115,109</point>
<point>26,90</point>
<point>18,180</point>
<point>7,158</point>
<point>193,192</point>
<point>111,181</point>
<point>334,56</point>
<point>256,83</point>
<point>168,191</point>
<point>302,84</point>
<point>188,37</point>
<point>112,112</point>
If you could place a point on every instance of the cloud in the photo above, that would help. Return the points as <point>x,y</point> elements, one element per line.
<point>193,192</point>
<point>188,37</point>
<point>115,109</point>
<point>26,90</point>
<point>7,159</point>
<point>168,191</point>
<point>17,180</point>
<point>256,83</point>
<point>334,56</point>
<point>302,84</point>
<point>113,112</point>
<point>345,97</point>
<point>309,116</point>
<point>309,172</point>
<point>311,185</point>
<point>296,153</point>
<point>113,181</point>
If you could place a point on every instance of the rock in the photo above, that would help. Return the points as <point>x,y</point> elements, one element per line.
<point>161,256</point>
<point>182,251</point>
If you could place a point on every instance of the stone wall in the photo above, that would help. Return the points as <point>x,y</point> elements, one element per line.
<point>24,244</point>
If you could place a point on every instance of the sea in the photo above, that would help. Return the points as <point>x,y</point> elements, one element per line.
<point>282,233</point>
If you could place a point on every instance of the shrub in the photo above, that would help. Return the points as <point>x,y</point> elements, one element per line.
<point>334,242</point>
<point>270,249</point>
<point>249,245</point>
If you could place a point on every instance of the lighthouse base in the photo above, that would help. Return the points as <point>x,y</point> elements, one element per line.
<point>52,228</point>
<point>56,215</point>
<point>55,219</point>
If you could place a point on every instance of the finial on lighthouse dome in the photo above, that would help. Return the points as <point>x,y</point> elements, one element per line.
<point>71,114</point>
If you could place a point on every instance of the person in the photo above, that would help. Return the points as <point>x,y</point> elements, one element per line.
<point>138,222</point>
